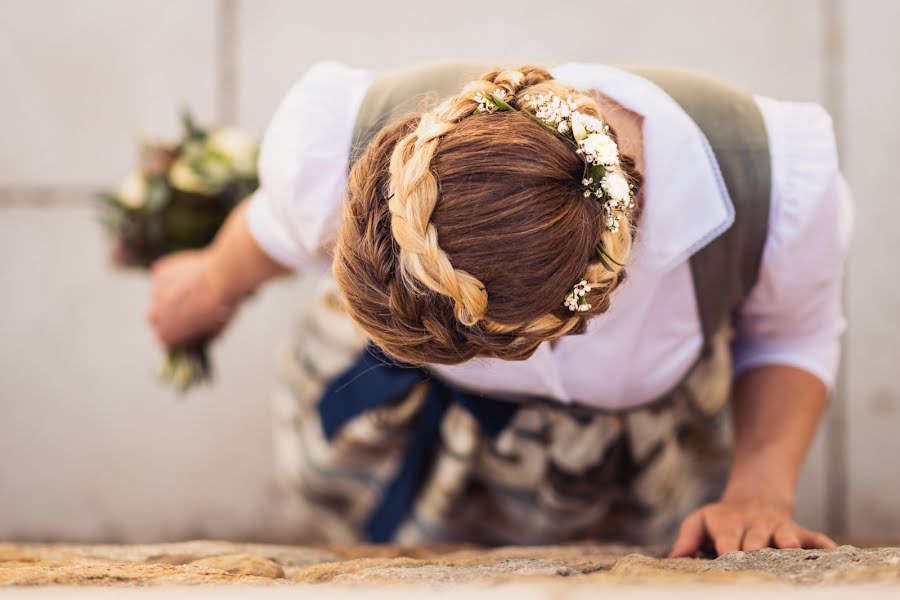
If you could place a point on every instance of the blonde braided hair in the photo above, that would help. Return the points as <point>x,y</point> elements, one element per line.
<point>407,287</point>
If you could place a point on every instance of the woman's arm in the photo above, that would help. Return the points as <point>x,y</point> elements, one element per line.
<point>196,292</point>
<point>776,410</point>
<point>237,263</point>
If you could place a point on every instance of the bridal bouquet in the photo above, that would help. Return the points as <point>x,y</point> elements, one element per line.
<point>177,199</point>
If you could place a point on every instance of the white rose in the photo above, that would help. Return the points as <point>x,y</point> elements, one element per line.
<point>133,191</point>
<point>616,186</point>
<point>578,130</point>
<point>183,177</point>
<point>601,148</point>
<point>236,146</point>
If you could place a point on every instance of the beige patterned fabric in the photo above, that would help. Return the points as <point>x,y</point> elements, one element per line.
<point>555,473</point>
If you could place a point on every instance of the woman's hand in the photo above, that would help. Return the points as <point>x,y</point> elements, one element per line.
<point>187,302</point>
<point>775,409</point>
<point>196,292</point>
<point>745,523</point>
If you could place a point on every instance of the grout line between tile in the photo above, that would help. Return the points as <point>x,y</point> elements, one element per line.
<point>836,447</point>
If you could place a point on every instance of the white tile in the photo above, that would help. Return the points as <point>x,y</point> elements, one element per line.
<point>872,147</point>
<point>771,47</point>
<point>82,79</point>
<point>91,446</point>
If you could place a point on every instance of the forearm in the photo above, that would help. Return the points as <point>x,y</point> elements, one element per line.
<point>776,411</point>
<point>237,264</point>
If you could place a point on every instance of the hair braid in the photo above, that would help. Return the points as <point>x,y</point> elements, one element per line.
<point>413,192</point>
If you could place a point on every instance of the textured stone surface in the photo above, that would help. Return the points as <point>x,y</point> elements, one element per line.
<point>442,573</point>
<point>224,563</point>
<point>243,564</point>
<point>641,569</point>
<point>845,564</point>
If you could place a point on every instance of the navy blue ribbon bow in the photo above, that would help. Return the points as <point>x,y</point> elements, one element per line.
<point>377,380</point>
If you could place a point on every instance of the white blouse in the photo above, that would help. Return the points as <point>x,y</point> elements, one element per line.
<point>651,335</point>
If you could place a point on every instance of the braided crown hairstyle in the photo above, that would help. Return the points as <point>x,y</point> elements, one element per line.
<point>462,236</point>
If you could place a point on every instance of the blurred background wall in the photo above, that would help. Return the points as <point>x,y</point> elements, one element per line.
<point>92,448</point>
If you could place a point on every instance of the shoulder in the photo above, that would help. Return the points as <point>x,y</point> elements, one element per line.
<point>303,161</point>
<point>312,128</point>
<point>801,142</point>
<point>325,97</point>
<point>794,313</point>
<point>808,192</point>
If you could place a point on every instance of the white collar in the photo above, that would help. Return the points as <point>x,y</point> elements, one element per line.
<point>686,202</point>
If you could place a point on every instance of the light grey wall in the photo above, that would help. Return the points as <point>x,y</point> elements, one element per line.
<point>92,448</point>
<point>871,134</point>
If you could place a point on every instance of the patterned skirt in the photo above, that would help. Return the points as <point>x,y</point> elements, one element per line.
<point>369,450</point>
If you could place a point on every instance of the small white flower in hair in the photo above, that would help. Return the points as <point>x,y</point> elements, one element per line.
<point>579,132</point>
<point>593,124</point>
<point>575,300</point>
<point>600,149</point>
<point>485,103</point>
<point>612,223</point>
<point>616,186</point>
<point>489,104</point>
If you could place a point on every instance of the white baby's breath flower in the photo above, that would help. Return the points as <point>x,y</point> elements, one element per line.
<point>601,149</point>
<point>485,104</point>
<point>612,223</point>
<point>616,186</point>
<point>237,147</point>
<point>133,191</point>
<point>592,124</point>
<point>550,109</point>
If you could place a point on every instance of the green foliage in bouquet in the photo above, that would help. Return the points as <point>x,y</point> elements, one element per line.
<point>178,199</point>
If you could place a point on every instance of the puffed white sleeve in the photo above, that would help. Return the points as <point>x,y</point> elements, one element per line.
<point>794,314</point>
<point>303,165</point>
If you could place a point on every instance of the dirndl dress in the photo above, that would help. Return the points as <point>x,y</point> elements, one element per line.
<point>372,450</point>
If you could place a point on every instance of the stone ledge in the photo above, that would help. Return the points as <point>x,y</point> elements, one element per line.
<point>225,563</point>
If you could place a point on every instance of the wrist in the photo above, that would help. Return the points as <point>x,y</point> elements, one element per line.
<point>761,480</point>
<point>220,285</point>
<point>758,492</point>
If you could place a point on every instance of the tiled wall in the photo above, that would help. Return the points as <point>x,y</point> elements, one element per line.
<point>92,448</point>
<point>871,142</point>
